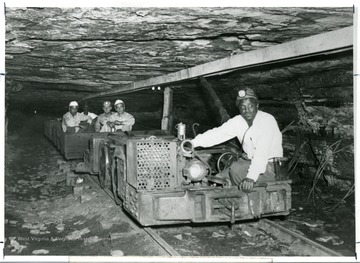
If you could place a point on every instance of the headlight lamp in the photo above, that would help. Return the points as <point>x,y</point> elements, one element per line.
<point>195,171</point>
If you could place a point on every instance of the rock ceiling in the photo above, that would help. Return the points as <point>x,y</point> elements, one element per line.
<point>54,55</point>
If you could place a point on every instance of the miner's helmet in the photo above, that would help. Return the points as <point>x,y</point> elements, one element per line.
<point>107,104</point>
<point>245,94</point>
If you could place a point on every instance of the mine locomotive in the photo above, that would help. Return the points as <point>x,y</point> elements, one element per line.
<point>159,179</point>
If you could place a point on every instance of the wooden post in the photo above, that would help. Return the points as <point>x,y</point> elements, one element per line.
<point>167,119</point>
<point>214,100</point>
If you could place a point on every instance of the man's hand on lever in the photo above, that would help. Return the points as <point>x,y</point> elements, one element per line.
<point>247,185</point>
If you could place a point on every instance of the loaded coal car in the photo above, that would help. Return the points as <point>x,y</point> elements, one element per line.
<point>71,146</point>
<point>159,179</point>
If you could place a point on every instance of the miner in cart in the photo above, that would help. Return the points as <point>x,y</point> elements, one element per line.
<point>261,141</point>
<point>121,120</point>
<point>73,121</point>
<point>104,119</point>
<point>91,116</point>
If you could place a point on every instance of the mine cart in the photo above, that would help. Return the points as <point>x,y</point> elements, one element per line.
<point>71,146</point>
<point>159,180</point>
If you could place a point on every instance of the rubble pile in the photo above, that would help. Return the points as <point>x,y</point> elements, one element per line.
<point>317,129</point>
<point>339,170</point>
<point>326,121</point>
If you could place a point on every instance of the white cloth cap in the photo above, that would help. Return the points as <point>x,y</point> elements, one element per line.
<point>73,104</point>
<point>118,101</point>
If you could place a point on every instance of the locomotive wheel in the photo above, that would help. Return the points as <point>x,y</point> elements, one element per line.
<point>225,160</point>
<point>104,166</point>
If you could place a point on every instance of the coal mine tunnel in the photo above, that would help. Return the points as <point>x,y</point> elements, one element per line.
<point>179,72</point>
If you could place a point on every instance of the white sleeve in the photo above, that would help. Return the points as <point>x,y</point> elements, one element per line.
<point>130,120</point>
<point>64,123</point>
<point>92,115</point>
<point>225,132</point>
<point>97,125</point>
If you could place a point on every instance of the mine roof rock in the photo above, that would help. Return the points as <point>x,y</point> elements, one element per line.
<point>96,49</point>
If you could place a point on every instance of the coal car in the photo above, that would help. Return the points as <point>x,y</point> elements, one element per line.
<point>71,146</point>
<point>159,179</point>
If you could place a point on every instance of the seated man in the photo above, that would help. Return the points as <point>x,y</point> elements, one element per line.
<point>72,120</point>
<point>259,135</point>
<point>121,120</point>
<point>103,120</point>
<point>91,116</point>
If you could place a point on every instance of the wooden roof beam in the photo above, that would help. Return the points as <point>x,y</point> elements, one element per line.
<point>329,42</point>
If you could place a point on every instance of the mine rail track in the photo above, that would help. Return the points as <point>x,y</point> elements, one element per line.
<point>301,243</point>
<point>146,230</point>
<point>291,237</point>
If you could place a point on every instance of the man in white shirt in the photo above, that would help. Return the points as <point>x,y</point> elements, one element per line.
<point>91,116</point>
<point>103,120</point>
<point>71,121</point>
<point>259,135</point>
<point>121,120</point>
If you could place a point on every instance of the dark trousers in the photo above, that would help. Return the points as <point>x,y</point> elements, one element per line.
<point>239,169</point>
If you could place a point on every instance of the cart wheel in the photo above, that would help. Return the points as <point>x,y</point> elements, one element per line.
<point>225,160</point>
<point>104,166</point>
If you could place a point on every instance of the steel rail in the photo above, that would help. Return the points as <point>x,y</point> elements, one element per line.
<point>147,230</point>
<point>307,246</point>
<point>161,242</point>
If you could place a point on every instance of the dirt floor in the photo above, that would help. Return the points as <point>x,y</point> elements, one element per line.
<point>326,219</point>
<point>43,216</point>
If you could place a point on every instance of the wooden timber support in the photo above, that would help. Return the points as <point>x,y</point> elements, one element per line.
<point>214,100</point>
<point>301,48</point>
<point>167,118</point>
